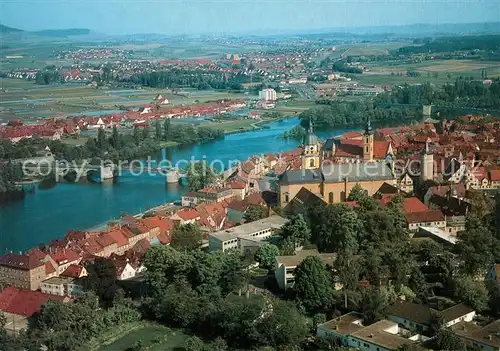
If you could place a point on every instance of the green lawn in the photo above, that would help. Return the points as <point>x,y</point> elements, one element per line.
<point>154,337</point>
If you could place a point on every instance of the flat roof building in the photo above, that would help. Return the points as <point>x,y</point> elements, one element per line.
<point>234,238</point>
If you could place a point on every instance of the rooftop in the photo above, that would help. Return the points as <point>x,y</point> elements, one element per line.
<point>24,302</point>
<point>274,222</point>
<point>346,324</point>
<point>436,233</point>
<point>414,312</point>
<point>293,261</point>
<point>356,172</point>
<point>488,335</point>
<point>59,281</point>
<point>376,334</point>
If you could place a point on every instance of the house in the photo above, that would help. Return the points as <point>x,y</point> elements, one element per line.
<point>189,199</point>
<point>479,338</point>
<point>236,209</point>
<point>185,216</point>
<point>244,235</point>
<point>285,265</point>
<point>61,286</point>
<point>74,271</point>
<point>64,258</point>
<point>414,220</point>
<point>24,271</point>
<point>494,176</point>
<point>419,317</point>
<point>124,270</point>
<point>18,305</point>
<point>348,331</point>
<point>303,199</point>
<point>214,194</point>
<point>438,235</point>
<point>339,329</point>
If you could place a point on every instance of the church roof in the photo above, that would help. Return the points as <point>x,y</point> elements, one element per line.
<point>299,176</point>
<point>311,138</point>
<point>356,172</point>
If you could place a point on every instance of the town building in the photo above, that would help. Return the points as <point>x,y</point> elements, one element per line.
<point>24,271</point>
<point>18,305</point>
<point>267,95</point>
<point>285,265</point>
<point>247,234</point>
<point>348,331</point>
<point>61,286</point>
<point>479,338</point>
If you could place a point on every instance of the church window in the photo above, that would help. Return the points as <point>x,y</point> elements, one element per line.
<point>287,197</point>
<point>311,162</point>
<point>330,197</point>
<point>366,149</point>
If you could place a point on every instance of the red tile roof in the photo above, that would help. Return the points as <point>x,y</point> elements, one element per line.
<point>73,271</point>
<point>352,135</point>
<point>118,237</point>
<point>49,268</point>
<point>104,239</point>
<point>20,261</point>
<point>187,214</point>
<point>421,217</point>
<point>413,204</point>
<point>24,302</point>
<point>62,256</point>
<point>495,175</point>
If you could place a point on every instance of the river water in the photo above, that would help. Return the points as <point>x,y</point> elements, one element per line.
<point>48,214</point>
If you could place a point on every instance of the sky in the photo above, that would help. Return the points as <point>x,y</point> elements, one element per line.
<point>237,16</point>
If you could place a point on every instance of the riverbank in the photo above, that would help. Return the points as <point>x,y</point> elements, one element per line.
<point>46,215</point>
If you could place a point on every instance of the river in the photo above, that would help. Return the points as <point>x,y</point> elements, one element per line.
<point>48,214</point>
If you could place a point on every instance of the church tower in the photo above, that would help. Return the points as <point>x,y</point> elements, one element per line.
<point>427,163</point>
<point>368,143</point>
<point>311,151</point>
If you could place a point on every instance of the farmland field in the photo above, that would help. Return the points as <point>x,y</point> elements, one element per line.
<point>21,99</point>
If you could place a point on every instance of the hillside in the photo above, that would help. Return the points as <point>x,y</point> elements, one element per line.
<point>61,33</point>
<point>5,29</point>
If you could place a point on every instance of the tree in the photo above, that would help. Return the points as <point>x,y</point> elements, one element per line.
<point>297,230</point>
<point>287,247</point>
<point>115,138</point>
<point>334,228</point>
<point>255,212</point>
<point>186,237</point>
<point>446,340</point>
<point>218,344</point>
<point>266,256</point>
<point>194,343</point>
<point>357,193</point>
<point>476,246</point>
<point>101,140</point>
<point>471,292</point>
<point>166,129</point>
<point>375,302</point>
<point>493,288</point>
<point>313,284</point>
<point>101,279</point>
<point>158,131</point>
<point>200,175</point>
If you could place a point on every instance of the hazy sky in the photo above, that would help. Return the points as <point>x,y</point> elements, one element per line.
<point>233,16</point>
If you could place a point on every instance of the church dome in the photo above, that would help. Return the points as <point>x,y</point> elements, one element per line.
<point>311,138</point>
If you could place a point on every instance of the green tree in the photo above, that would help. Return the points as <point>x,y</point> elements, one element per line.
<point>167,130</point>
<point>471,292</point>
<point>313,284</point>
<point>186,237</point>
<point>158,131</point>
<point>194,343</point>
<point>357,193</point>
<point>266,256</point>
<point>334,228</point>
<point>218,344</point>
<point>255,212</point>
<point>101,279</point>
<point>200,175</point>
<point>297,230</point>
<point>115,138</point>
<point>476,246</point>
<point>137,136</point>
<point>446,340</point>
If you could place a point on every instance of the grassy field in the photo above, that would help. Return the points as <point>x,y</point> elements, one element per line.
<point>447,71</point>
<point>153,337</point>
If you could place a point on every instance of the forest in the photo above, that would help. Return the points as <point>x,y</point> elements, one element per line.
<point>460,43</point>
<point>404,104</point>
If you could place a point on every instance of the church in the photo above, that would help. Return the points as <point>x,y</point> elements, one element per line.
<point>331,169</point>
